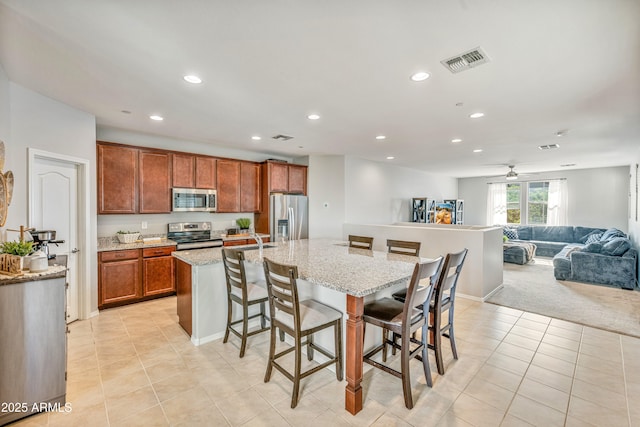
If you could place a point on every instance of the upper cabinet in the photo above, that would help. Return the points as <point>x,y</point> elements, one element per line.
<point>132,180</point>
<point>286,178</point>
<point>249,187</point>
<point>155,182</point>
<point>117,179</point>
<point>191,171</point>
<point>228,175</point>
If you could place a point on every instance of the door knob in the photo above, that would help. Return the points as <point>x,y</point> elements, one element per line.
<point>75,250</point>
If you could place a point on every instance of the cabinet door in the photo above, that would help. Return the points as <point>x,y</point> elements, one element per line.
<point>155,182</point>
<point>297,179</point>
<point>235,242</point>
<point>206,172</point>
<point>117,179</point>
<point>278,178</point>
<point>228,177</point>
<point>119,281</point>
<point>184,292</point>
<point>157,275</point>
<point>183,170</point>
<point>249,187</point>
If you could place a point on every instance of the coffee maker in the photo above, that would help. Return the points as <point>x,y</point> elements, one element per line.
<point>41,240</point>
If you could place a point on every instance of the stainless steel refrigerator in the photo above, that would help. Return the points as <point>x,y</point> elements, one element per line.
<point>289,217</point>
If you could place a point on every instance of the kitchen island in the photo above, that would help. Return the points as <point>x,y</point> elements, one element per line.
<point>329,270</point>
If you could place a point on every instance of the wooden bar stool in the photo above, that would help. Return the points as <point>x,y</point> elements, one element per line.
<point>443,301</point>
<point>360,242</point>
<point>299,319</point>
<point>244,294</point>
<point>403,247</point>
<point>403,320</point>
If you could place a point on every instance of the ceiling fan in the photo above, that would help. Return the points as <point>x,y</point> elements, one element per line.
<point>511,175</point>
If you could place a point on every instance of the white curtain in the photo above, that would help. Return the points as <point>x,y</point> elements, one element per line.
<point>497,204</point>
<point>557,203</point>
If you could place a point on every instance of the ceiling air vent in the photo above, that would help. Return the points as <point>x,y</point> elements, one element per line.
<point>281,137</point>
<point>548,147</point>
<point>466,60</point>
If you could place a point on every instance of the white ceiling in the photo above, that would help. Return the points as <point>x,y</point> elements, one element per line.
<point>555,65</point>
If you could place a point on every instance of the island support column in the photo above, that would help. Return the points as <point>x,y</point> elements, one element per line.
<point>354,345</point>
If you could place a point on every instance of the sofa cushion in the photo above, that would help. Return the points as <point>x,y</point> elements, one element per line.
<point>593,247</point>
<point>611,233</point>
<point>524,232</point>
<point>593,238</point>
<point>511,233</point>
<point>616,246</point>
<point>580,233</point>
<point>557,233</point>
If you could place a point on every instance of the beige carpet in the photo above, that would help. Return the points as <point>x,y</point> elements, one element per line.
<point>532,287</point>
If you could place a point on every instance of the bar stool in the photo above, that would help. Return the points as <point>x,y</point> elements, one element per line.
<point>403,320</point>
<point>299,319</point>
<point>443,301</point>
<point>360,242</point>
<point>403,247</point>
<point>244,294</point>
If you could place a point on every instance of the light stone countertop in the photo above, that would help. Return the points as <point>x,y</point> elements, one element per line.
<point>112,244</point>
<point>329,263</point>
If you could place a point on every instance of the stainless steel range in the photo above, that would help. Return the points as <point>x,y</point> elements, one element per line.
<point>193,235</point>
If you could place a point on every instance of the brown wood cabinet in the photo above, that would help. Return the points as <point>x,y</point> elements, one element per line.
<point>119,277</point>
<point>228,177</point>
<point>134,275</point>
<point>191,171</point>
<point>286,178</point>
<point>249,187</point>
<point>238,242</point>
<point>184,292</point>
<point>158,271</point>
<point>117,171</point>
<point>155,182</point>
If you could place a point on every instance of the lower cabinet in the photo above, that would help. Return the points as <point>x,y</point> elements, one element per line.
<point>238,242</point>
<point>134,275</point>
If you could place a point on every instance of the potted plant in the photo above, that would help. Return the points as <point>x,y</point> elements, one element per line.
<point>243,223</point>
<point>127,236</point>
<point>13,253</point>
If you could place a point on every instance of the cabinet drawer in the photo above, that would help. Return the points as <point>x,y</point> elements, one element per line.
<point>236,242</point>
<point>119,255</point>
<point>160,251</point>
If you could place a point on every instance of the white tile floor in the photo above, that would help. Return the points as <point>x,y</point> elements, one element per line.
<point>135,366</point>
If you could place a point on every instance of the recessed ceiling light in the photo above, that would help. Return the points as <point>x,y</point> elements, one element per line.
<point>256,138</point>
<point>476,115</point>
<point>456,140</point>
<point>420,76</point>
<point>313,117</point>
<point>156,118</point>
<point>193,79</point>
<point>380,137</point>
<point>390,157</point>
<point>561,133</point>
<point>478,150</point>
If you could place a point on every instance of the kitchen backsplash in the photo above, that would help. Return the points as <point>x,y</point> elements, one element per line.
<point>109,225</point>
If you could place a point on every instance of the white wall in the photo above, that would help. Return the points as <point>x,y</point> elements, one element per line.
<point>380,193</point>
<point>597,197</point>
<point>45,124</point>
<point>326,189</point>
<point>5,127</point>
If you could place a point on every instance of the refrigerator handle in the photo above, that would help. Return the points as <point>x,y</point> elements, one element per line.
<point>292,224</point>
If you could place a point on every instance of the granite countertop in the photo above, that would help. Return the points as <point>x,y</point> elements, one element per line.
<point>329,263</point>
<point>56,269</point>
<point>112,244</point>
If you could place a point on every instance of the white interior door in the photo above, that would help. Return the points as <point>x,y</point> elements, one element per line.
<point>55,207</point>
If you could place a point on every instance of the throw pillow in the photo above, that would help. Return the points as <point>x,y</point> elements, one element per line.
<point>616,246</point>
<point>611,233</point>
<point>593,237</point>
<point>595,247</point>
<point>511,233</point>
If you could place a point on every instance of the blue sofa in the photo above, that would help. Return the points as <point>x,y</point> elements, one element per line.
<point>584,254</point>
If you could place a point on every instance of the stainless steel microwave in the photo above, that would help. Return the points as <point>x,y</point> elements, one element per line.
<point>193,200</point>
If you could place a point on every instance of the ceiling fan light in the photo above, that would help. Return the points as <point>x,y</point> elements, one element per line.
<point>511,177</point>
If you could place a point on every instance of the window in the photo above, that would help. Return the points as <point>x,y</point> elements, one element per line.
<point>534,203</point>
<point>513,203</point>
